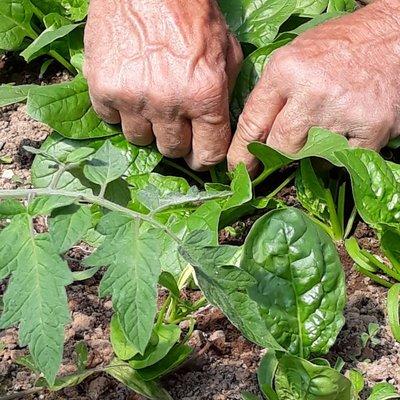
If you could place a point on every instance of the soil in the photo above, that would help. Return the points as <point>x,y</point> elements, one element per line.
<point>225,363</point>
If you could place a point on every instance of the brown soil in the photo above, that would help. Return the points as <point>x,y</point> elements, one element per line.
<point>228,362</point>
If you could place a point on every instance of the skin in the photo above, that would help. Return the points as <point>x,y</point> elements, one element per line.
<point>164,69</point>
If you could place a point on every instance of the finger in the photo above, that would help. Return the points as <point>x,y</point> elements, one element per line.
<point>258,116</point>
<point>210,143</point>
<point>374,139</point>
<point>105,112</point>
<point>290,129</point>
<point>234,58</point>
<point>137,129</point>
<point>173,138</point>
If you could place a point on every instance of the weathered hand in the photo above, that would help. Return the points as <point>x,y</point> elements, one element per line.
<point>343,75</point>
<point>163,68</point>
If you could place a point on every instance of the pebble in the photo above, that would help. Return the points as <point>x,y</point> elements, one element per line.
<point>7,174</point>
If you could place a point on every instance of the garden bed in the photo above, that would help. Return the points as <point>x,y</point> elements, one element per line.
<point>224,363</point>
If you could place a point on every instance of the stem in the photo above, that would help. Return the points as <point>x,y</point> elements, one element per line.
<point>282,185</point>
<point>335,223</point>
<point>163,311</point>
<point>89,198</point>
<point>66,64</point>
<point>341,206</point>
<point>102,191</point>
<point>57,176</point>
<point>263,176</point>
<point>36,11</point>
<point>350,222</point>
<point>373,277</point>
<point>214,178</point>
<point>185,171</point>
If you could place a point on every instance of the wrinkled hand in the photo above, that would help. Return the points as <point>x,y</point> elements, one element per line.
<point>343,76</point>
<point>163,68</point>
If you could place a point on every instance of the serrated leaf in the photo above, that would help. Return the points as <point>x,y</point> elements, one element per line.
<point>132,253</point>
<point>44,205</point>
<point>47,37</point>
<point>36,299</point>
<point>66,108</point>
<point>376,190</point>
<point>11,207</point>
<point>68,225</point>
<point>292,259</point>
<point>15,18</point>
<point>106,165</point>
<point>10,94</point>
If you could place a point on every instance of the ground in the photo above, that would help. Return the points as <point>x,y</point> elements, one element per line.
<point>225,363</point>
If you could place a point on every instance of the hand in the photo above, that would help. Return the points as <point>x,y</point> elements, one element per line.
<point>343,75</point>
<point>163,68</point>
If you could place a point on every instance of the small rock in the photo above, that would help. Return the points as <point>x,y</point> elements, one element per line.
<point>7,174</point>
<point>82,322</point>
<point>218,340</point>
<point>197,339</point>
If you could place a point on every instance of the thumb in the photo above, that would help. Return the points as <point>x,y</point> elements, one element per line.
<point>255,123</point>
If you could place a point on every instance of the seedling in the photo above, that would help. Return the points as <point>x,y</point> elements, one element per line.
<point>370,336</point>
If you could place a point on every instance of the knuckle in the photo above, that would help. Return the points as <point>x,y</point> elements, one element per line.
<point>249,128</point>
<point>208,158</point>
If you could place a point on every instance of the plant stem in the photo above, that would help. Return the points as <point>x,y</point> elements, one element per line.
<point>89,198</point>
<point>163,310</point>
<point>185,171</point>
<point>263,176</point>
<point>335,223</point>
<point>66,64</point>
<point>340,208</point>
<point>350,223</point>
<point>213,174</point>
<point>36,11</point>
<point>282,185</point>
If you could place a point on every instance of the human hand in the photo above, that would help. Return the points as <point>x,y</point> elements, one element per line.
<point>343,75</point>
<point>163,68</point>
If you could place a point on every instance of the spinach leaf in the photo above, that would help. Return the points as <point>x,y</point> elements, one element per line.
<point>297,378</point>
<point>10,94</point>
<point>292,259</point>
<point>384,391</point>
<point>257,22</point>
<point>376,190</point>
<point>15,23</point>
<point>66,108</point>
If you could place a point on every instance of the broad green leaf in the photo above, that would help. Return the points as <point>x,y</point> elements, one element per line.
<point>78,155</point>
<point>311,192</point>
<point>227,288</point>
<point>241,188</point>
<point>249,396</point>
<point>65,381</point>
<point>320,143</point>
<point>48,6</point>
<point>68,225</point>
<point>292,259</point>
<point>106,165</point>
<point>44,205</point>
<point>266,374</point>
<point>257,22</point>
<point>125,374</point>
<point>175,357</point>
<point>390,244</point>
<point>393,304</point>
<point>250,73</point>
<point>132,253</point>
<point>47,37</point>
<point>297,378</point>
<point>76,9</point>
<point>123,349</point>
<point>357,381</point>
<point>167,335</point>
<point>375,188</point>
<point>66,108</point>
<point>82,355</point>
<point>11,207</point>
<point>10,94</point>
<point>311,7</point>
<point>342,5</point>
<point>15,23</point>
<point>168,281</point>
<point>384,391</point>
<point>35,299</point>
